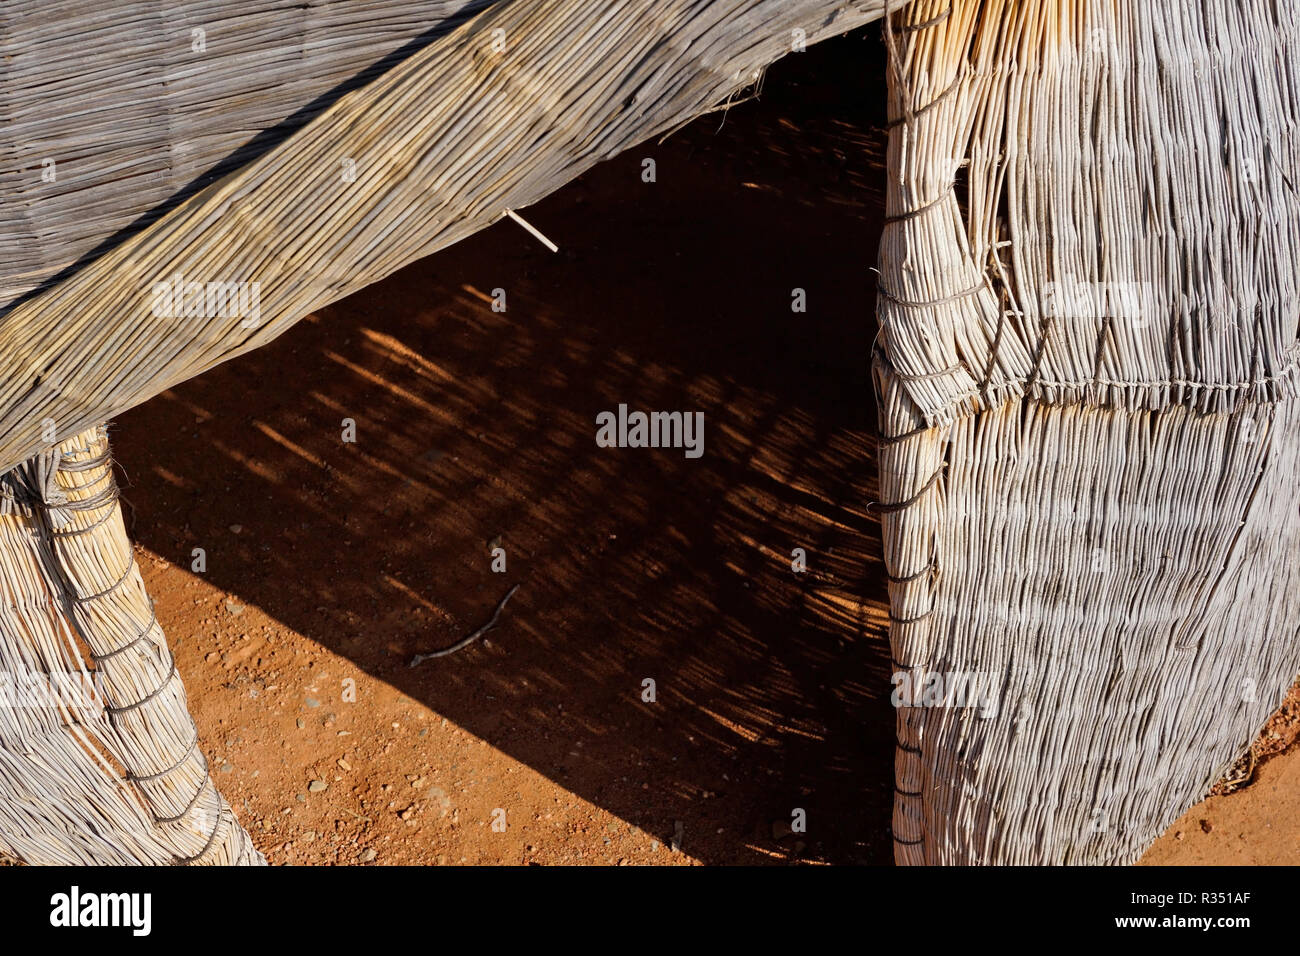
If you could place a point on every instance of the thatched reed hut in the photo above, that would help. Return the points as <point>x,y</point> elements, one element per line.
<point>1084,366</point>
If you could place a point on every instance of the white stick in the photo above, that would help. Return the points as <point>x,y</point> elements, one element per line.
<point>529,226</point>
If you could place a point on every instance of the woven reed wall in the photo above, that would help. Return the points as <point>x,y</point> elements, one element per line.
<point>1088,460</point>
<point>133,115</point>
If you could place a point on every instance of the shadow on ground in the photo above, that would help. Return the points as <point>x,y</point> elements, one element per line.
<point>474,425</point>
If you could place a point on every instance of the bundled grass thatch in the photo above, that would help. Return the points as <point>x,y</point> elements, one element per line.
<point>1086,374</point>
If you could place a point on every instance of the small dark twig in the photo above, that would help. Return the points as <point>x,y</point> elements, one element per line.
<point>467,641</point>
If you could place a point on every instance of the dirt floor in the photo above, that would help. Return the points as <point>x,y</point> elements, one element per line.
<point>330,563</point>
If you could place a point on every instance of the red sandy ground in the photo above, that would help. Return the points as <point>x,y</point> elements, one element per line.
<point>329,562</point>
